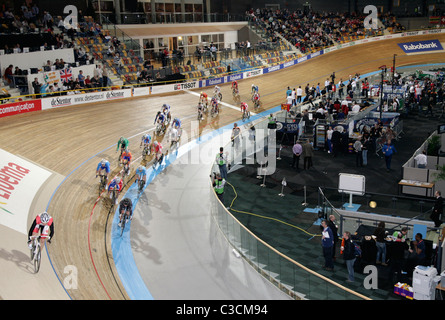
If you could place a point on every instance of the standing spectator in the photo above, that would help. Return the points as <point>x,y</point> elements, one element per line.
<point>37,86</point>
<point>218,185</point>
<point>236,135</point>
<point>117,62</point>
<point>294,97</point>
<point>299,94</point>
<point>366,145</point>
<point>421,159</point>
<point>329,138</point>
<point>397,260</point>
<point>437,209</point>
<point>380,234</point>
<point>288,92</point>
<point>336,142</point>
<point>348,249</point>
<point>308,153</point>
<point>105,79</point>
<point>221,160</point>
<point>388,150</point>
<point>296,150</point>
<point>81,79</point>
<point>327,243</point>
<point>334,229</point>
<point>358,152</point>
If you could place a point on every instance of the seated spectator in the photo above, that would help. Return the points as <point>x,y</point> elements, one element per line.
<point>8,74</point>
<point>88,82</point>
<point>96,82</point>
<point>110,51</point>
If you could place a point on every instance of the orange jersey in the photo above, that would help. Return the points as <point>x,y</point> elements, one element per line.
<point>126,155</point>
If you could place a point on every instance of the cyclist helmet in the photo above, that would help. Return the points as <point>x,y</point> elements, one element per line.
<point>126,202</point>
<point>121,139</point>
<point>103,162</point>
<point>118,180</point>
<point>44,217</point>
<point>141,167</point>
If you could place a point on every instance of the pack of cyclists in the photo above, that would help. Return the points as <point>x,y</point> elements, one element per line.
<point>163,118</point>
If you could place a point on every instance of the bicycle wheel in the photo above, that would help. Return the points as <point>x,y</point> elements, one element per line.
<point>32,250</point>
<point>37,258</point>
<point>124,221</point>
<point>102,184</point>
<point>113,198</point>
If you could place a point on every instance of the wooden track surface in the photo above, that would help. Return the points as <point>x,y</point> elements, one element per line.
<point>71,141</point>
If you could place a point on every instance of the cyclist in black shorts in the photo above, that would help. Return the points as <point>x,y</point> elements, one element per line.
<point>125,208</point>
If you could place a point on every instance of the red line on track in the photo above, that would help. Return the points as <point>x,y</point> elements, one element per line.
<point>89,247</point>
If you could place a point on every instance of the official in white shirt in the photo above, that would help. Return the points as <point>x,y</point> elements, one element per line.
<point>421,159</point>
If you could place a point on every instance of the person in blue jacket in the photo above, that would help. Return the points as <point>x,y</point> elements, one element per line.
<point>388,150</point>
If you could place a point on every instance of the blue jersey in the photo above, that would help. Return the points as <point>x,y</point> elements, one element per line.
<point>147,139</point>
<point>166,108</point>
<point>114,185</point>
<point>106,167</point>
<point>177,123</point>
<point>141,173</point>
<point>160,117</point>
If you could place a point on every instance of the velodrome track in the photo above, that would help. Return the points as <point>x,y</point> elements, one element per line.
<point>69,142</point>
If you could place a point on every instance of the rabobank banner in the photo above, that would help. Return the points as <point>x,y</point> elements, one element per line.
<point>214,82</point>
<point>421,46</point>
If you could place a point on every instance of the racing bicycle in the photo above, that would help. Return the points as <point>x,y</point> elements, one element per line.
<point>103,183</point>
<point>36,251</point>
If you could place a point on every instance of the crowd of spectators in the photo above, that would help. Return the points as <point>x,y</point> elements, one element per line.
<point>311,30</point>
<point>390,22</point>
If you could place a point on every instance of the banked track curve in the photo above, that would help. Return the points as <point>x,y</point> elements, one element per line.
<point>66,138</point>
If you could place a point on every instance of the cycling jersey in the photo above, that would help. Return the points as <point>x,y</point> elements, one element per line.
<point>126,155</point>
<point>114,185</point>
<point>166,108</point>
<point>37,226</point>
<point>204,95</point>
<point>177,123</point>
<point>147,139</point>
<point>122,143</point>
<point>158,148</point>
<point>256,96</point>
<point>235,84</point>
<point>105,167</point>
<point>160,117</point>
<point>141,172</point>
<point>173,134</point>
<point>244,106</point>
<point>123,207</point>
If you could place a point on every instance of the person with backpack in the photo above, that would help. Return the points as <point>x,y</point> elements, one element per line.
<point>349,254</point>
